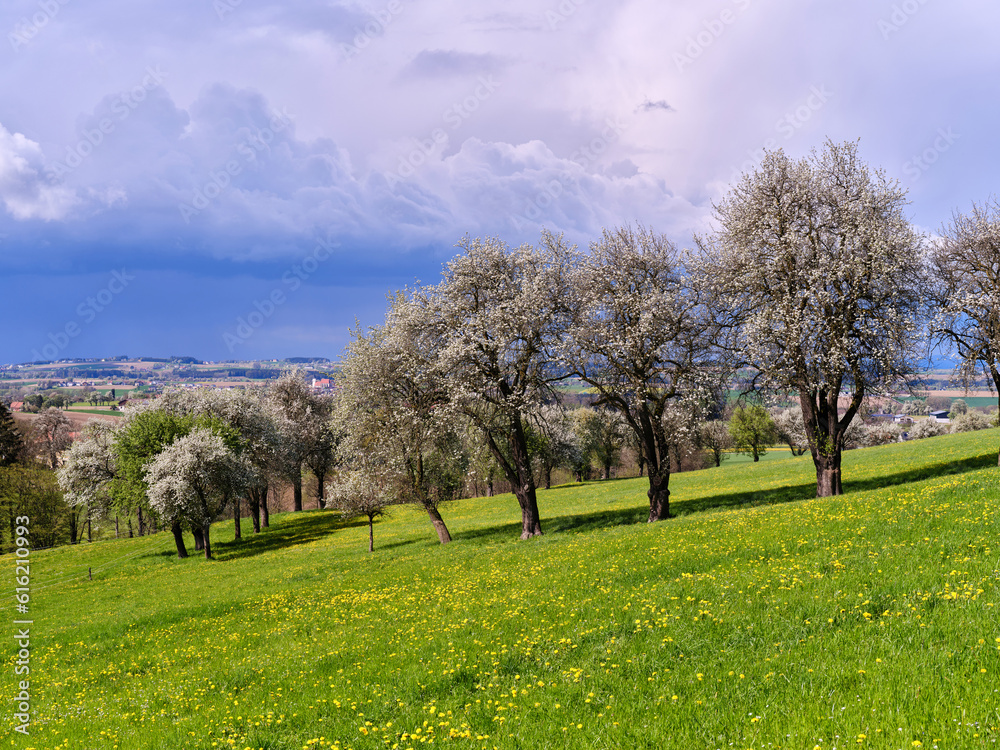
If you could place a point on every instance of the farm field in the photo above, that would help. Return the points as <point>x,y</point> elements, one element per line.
<point>760,617</point>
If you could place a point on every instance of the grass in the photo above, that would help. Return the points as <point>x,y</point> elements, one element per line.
<point>774,453</point>
<point>760,617</point>
<point>104,412</point>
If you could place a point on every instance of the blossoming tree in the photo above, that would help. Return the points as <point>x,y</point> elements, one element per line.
<point>820,271</point>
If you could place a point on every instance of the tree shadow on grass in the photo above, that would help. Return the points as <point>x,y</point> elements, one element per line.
<point>295,529</point>
<point>792,493</point>
<point>945,468</point>
<point>603,519</point>
<point>287,532</point>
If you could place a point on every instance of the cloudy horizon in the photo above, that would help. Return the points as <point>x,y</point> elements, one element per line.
<point>167,171</point>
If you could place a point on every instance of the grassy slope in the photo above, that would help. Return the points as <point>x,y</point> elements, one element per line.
<point>761,617</point>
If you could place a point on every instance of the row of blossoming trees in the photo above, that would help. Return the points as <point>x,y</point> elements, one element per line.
<point>813,285</point>
<point>185,458</point>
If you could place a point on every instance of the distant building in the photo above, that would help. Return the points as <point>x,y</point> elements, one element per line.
<point>321,384</point>
<point>17,406</point>
<point>940,416</point>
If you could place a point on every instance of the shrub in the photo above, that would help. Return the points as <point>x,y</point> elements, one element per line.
<point>881,433</point>
<point>925,428</point>
<point>970,422</point>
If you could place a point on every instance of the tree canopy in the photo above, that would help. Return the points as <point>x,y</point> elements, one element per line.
<point>644,338</point>
<point>821,276</point>
<point>494,326</point>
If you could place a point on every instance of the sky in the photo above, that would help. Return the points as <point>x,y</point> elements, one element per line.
<point>245,179</point>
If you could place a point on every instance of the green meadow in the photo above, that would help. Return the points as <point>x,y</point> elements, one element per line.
<point>759,617</point>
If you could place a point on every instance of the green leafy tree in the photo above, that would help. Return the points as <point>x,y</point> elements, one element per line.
<point>11,442</point>
<point>31,490</point>
<point>146,433</point>
<point>752,430</point>
<point>602,433</point>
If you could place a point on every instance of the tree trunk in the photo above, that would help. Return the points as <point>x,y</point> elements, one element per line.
<point>130,534</point>
<point>90,531</point>
<point>142,523</point>
<point>266,520</point>
<point>208,541</point>
<point>659,494</point>
<point>523,481</point>
<point>531,522</point>
<point>253,501</point>
<point>199,538</point>
<point>237,512</point>
<point>297,491</point>
<point>824,430</point>
<point>116,527</point>
<point>607,470</point>
<point>320,489</point>
<point>517,469</point>
<point>796,451</point>
<point>489,486</point>
<point>371,533</point>
<point>828,476</point>
<point>72,525</point>
<point>548,477</point>
<point>442,531</point>
<point>179,539</point>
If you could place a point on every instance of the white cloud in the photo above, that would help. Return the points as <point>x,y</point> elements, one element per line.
<point>24,189</point>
